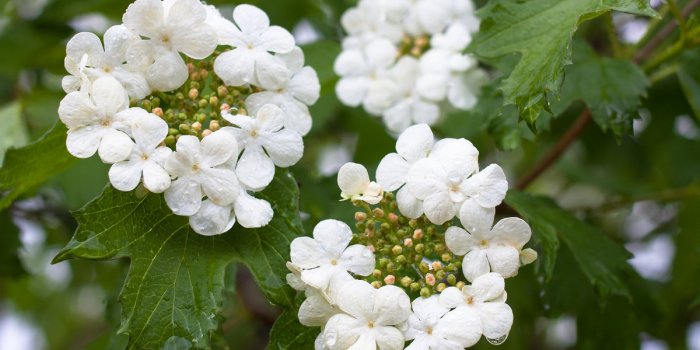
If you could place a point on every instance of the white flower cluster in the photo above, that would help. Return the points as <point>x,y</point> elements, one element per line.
<point>359,286</point>
<point>404,59</point>
<point>142,98</point>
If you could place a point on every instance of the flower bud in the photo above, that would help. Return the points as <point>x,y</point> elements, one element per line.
<point>393,218</point>
<point>396,250</point>
<point>213,101</point>
<point>378,212</point>
<point>184,128</point>
<point>451,279</point>
<point>418,234</point>
<point>408,242</point>
<point>376,284</point>
<point>413,223</point>
<point>430,279</point>
<point>206,133</point>
<point>390,267</point>
<point>440,287</point>
<point>173,131</point>
<point>446,257</point>
<point>390,279</point>
<point>204,73</point>
<point>385,226</point>
<point>377,274</point>
<point>425,292</point>
<point>406,281</point>
<point>197,126</point>
<point>182,116</point>
<point>423,267</point>
<point>170,140</point>
<point>437,265</point>
<point>221,91</point>
<point>225,108</point>
<point>158,111</point>
<point>214,125</point>
<point>420,248</point>
<point>156,102</point>
<point>460,285</point>
<point>415,286</point>
<point>203,103</point>
<point>360,216</point>
<point>193,93</point>
<point>401,259</point>
<point>383,262</point>
<point>201,117</point>
<point>440,275</point>
<point>431,231</point>
<point>440,248</point>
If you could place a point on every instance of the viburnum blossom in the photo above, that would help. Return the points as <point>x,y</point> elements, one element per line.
<point>403,60</point>
<point>98,121</point>
<point>159,104</point>
<point>360,296</point>
<point>354,183</point>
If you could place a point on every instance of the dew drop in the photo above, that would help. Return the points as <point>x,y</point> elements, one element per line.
<point>497,341</point>
<point>331,338</point>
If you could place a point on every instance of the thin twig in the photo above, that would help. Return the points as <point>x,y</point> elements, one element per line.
<point>579,125</point>
<point>664,33</point>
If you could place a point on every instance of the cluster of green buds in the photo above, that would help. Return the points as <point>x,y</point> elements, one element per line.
<point>410,253</point>
<point>196,107</point>
<point>414,46</point>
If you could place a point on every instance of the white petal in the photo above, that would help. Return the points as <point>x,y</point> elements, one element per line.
<point>217,148</point>
<point>144,17</point>
<point>459,241</point>
<point>155,178</point>
<point>380,53</point>
<point>315,310</point>
<point>196,42</point>
<point>439,208</point>
<point>250,19</point>
<point>358,259</point>
<point>475,264</point>
<point>488,287</point>
<point>294,59</point>
<point>284,147</point>
<point>428,310</point>
<point>475,218</point>
<point>321,277</point>
<point>461,325</point>
<point>109,95</point>
<point>255,169</point>
<point>392,172</point>
<point>180,163</point>
<point>357,298</point>
<point>409,205</point>
<point>252,212</point>
<point>432,87</point>
<point>487,187</point>
<point>464,89</point>
<point>270,71</point>
<point>306,253</point>
<point>353,179</point>
<point>352,91</point>
<point>81,44</point>
<point>235,67</point>
<point>349,62</point>
<point>117,40</point>
<point>148,129</point>
<point>388,338</point>
<point>77,110</point>
<point>211,219</point>
<point>458,157</point>
<point>333,235</point>
<point>167,73</point>
<point>425,112</point>
<point>511,231</point>
<point>220,185</point>
<point>270,118</point>
<point>452,297</point>
<point>115,146</point>
<point>391,305</point>
<point>184,197</point>
<point>426,177</point>
<point>397,118</point>
<point>275,39</point>
<point>497,319</point>
<point>504,259</point>
<point>134,82</point>
<point>83,142</point>
<point>342,332</point>
<point>298,117</point>
<point>415,143</point>
<point>125,176</point>
<point>305,86</point>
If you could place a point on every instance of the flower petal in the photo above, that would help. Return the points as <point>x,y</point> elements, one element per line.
<point>306,253</point>
<point>83,142</point>
<point>458,157</point>
<point>115,146</point>
<point>145,17</point>
<point>415,143</point>
<point>488,287</point>
<point>497,319</point>
<point>342,332</point>
<point>409,205</point>
<point>305,86</point>
<point>504,259</point>
<point>148,129</point>
<point>270,71</point>
<point>392,172</point>
<point>511,231</point>
<point>387,338</point>
<point>333,235</point>
<point>357,298</point>
<point>351,91</point>
<point>391,306</point>
<point>250,19</point>
<point>439,208</point>
<point>155,178</point>
<point>184,196</point>
<point>255,169</point>
<point>459,241</point>
<point>235,67</point>
<point>358,259</point>
<point>315,310</point>
<point>426,177</point>
<point>452,297</point>
<point>353,179</point>
<point>475,264</point>
<point>168,72</point>
<point>275,39</point>
<point>109,95</point>
<point>77,110</point>
<point>461,325</point>
<point>217,148</point>
<point>211,219</point>
<point>284,147</point>
<point>252,212</point>
<point>475,218</point>
<point>125,176</point>
<point>487,187</point>
<point>220,185</point>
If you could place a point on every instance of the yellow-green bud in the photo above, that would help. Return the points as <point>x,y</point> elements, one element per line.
<point>415,286</point>
<point>406,281</point>
<point>376,284</point>
<point>440,287</point>
<point>377,274</point>
<point>425,292</point>
<point>451,279</point>
<point>397,250</point>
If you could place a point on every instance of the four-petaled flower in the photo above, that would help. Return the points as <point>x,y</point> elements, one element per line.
<point>354,184</point>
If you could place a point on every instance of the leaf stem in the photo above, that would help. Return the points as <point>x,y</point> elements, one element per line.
<point>664,33</point>
<point>664,196</point>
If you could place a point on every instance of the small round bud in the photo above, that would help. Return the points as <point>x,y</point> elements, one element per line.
<point>195,76</point>
<point>370,223</point>
<point>377,274</point>
<point>156,102</point>
<point>420,248</point>
<point>401,259</point>
<point>360,216</point>
<point>184,128</point>
<point>437,265</point>
<point>204,73</point>
<point>225,108</point>
<point>206,133</point>
<point>158,111</point>
<point>213,101</point>
<point>376,284</point>
<point>383,262</point>
<point>418,234</point>
<point>173,131</point>
<point>214,125</point>
<point>460,285</point>
<point>446,257</point>
<point>415,286</point>
<point>440,275</point>
<point>182,116</point>
<point>242,111</point>
<point>440,247</point>
<point>201,117</point>
<point>406,281</point>
<point>179,96</point>
<point>397,250</point>
<point>203,103</point>
<point>390,267</point>
<point>413,223</point>
<point>390,279</point>
<point>377,212</point>
<point>451,279</point>
<point>430,279</point>
<point>440,287</point>
<point>221,91</point>
<point>425,292</point>
<point>408,242</point>
<point>146,104</point>
<point>423,267</point>
<point>385,226</point>
<point>431,231</point>
<point>170,140</point>
<point>393,218</point>
<point>190,67</point>
<point>196,126</point>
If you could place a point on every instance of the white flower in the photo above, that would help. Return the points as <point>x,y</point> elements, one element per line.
<point>317,309</point>
<point>432,326</point>
<point>200,170</point>
<point>294,96</point>
<point>265,143</point>
<point>448,179</point>
<point>146,158</point>
<point>213,219</point>
<point>487,249</point>
<point>487,298</point>
<point>354,184</point>
<point>98,121</point>
<point>370,317</point>
<point>414,144</point>
<point>364,76</point>
<point>410,108</point>
<point>179,27</point>
<point>327,255</point>
<point>375,18</point>
<point>251,61</point>
<point>427,17</point>
<point>110,60</point>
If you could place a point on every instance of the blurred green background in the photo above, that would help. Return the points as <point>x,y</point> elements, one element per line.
<point>641,190</point>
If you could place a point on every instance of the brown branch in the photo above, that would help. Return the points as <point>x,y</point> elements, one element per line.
<point>664,33</point>
<point>579,125</point>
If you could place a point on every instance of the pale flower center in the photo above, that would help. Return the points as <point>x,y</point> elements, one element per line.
<point>195,168</point>
<point>370,324</point>
<point>254,133</point>
<point>470,300</point>
<point>144,156</point>
<point>334,262</point>
<point>429,330</point>
<point>106,122</point>
<point>484,242</point>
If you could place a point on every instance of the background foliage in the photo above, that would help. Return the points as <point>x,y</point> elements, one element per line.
<point>628,184</point>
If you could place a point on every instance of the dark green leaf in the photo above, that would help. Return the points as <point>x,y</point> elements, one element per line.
<point>611,88</point>
<point>603,261</point>
<point>13,132</point>
<point>29,166</point>
<point>288,334</point>
<point>540,31</point>
<point>10,265</point>
<point>689,76</point>
<point>173,292</point>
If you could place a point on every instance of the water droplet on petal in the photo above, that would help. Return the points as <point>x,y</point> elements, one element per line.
<point>498,341</point>
<point>331,338</point>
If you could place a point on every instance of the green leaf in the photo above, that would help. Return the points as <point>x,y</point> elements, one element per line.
<point>689,77</point>
<point>27,167</point>
<point>288,334</point>
<point>10,265</point>
<point>611,88</point>
<point>540,31</point>
<point>603,261</point>
<point>173,292</point>
<point>13,132</point>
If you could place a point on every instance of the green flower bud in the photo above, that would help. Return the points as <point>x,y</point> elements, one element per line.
<point>425,292</point>
<point>170,140</point>
<point>377,212</point>
<point>406,281</point>
<point>184,128</point>
<point>415,286</point>
<point>440,287</point>
<point>420,248</point>
<point>423,267</point>
<point>451,279</point>
<point>401,259</point>
<point>376,284</point>
<point>173,131</point>
<point>397,250</point>
<point>377,274</point>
